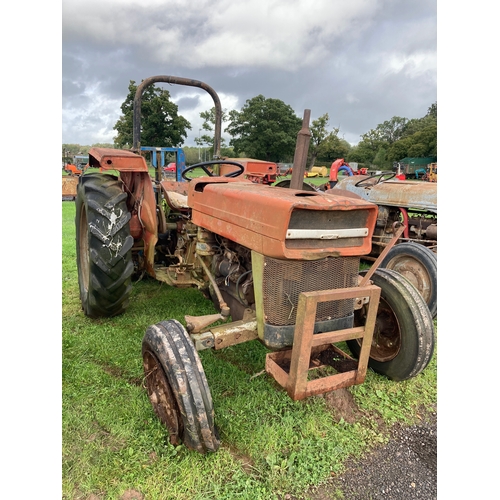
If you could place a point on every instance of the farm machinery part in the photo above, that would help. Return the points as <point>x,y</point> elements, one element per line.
<point>69,184</point>
<point>341,166</point>
<point>290,281</point>
<point>259,171</point>
<point>158,161</point>
<point>70,181</point>
<point>431,174</point>
<point>74,171</point>
<point>413,204</point>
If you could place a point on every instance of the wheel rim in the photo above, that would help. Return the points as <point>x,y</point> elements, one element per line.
<point>386,341</point>
<point>415,272</point>
<point>83,245</point>
<point>162,398</point>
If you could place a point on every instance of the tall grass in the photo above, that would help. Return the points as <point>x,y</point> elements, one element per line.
<point>113,443</point>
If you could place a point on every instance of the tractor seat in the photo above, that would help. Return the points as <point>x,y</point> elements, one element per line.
<point>176,201</point>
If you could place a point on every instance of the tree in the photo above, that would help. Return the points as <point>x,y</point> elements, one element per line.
<point>380,159</point>
<point>209,126</point>
<point>264,129</point>
<point>161,125</point>
<point>433,111</point>
<point>396,138</point>
<point>321,139</point>
<point>361,153</point>
<point>382,136</point>
<point>391,130</point>
<point>420,144</point>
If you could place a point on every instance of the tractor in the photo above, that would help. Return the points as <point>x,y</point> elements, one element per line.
<point>411,202</point>
<point>280,265</point>
<point>414,204</point>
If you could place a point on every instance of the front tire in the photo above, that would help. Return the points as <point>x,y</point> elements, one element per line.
<point>177,386</point>
<point>403,340</point>
<point>103,246</point>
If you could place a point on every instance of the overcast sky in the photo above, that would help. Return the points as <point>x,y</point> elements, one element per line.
<point>360,61</point>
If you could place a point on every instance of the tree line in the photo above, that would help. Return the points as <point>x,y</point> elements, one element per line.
<point>267,129</point>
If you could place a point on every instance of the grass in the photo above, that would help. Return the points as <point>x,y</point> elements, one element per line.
<point>271,445</point>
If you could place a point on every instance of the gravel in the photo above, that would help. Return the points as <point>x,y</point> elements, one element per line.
<point>404,469</point>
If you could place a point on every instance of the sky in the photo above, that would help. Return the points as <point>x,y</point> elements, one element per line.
<point>361,61</point>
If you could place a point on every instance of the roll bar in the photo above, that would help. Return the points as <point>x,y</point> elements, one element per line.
<point>136,145</point>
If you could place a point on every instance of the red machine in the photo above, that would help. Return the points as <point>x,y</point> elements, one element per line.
<point>280,265</point>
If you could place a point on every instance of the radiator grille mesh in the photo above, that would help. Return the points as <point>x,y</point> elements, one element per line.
<point>284,280</point>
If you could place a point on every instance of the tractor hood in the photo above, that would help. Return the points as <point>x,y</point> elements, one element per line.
<point>283,223</point>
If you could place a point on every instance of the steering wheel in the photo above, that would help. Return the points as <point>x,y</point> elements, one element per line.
<point>204,166</point>
<point>375,179</point>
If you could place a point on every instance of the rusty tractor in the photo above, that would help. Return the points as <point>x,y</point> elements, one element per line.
<point>281,266</point>
<point>414,204</point>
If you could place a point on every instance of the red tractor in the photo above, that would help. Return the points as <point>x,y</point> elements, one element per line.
<point>280,265</point>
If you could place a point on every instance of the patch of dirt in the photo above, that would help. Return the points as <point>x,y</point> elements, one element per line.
<point>342,405</point>
<point>105,437</point>
<point>245,461</point>
<point>132,495</point>
<point>116,372</point>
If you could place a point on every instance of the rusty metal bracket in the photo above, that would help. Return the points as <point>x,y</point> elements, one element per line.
<point>222,336</point>
<point>382,255</point>
<point>291,368</point>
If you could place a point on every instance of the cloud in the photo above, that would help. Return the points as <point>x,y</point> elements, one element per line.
<point>349,59</point>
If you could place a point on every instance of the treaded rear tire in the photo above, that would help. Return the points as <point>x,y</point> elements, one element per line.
<point>177,386</point>
<point>418,264</point>
<point>403,341</point>
<point>103,246</point>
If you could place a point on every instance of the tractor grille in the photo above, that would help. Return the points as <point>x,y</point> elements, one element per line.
<point>284,280</point>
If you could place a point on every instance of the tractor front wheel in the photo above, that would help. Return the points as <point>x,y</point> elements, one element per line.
<point>403,339</point>
<point>103,246</point>
<point>177,386</point>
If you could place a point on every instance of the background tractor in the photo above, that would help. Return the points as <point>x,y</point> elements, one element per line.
<point>414,204</point>
<point>281,266</point>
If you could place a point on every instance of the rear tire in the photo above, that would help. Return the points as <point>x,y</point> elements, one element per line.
<point>403,340</point>
<point>418,264</point>
<point>103,246</point>
<point>177,386</point>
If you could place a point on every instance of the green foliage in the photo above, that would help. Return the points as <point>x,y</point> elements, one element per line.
<point>422,143</point>
<point>161,125</point>
<point>209,126</point>
<point>332,148</point>
<point>362,153</point>
<point>324,145</point>
<point>432,112</point>
<point>397,138</point>
<point>380,159</point>
<point>265,129</point>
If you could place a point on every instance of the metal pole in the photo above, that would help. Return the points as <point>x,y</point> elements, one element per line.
<point>301,150</point>
<point>136,145</point>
